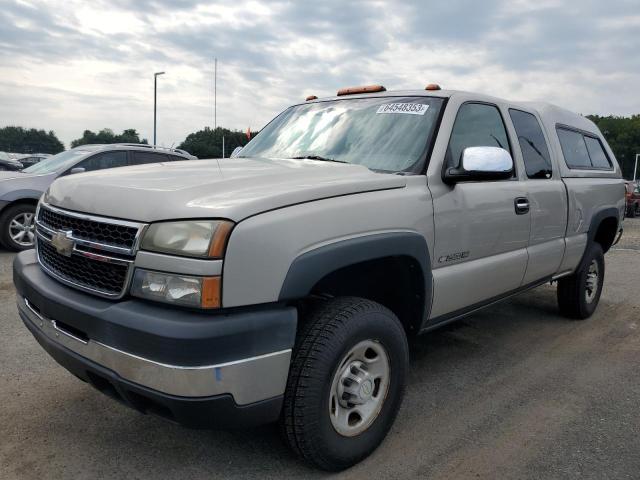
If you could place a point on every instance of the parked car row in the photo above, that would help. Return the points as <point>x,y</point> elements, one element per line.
<point>20,190</point>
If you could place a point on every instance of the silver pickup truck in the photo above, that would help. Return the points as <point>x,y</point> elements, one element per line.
<point>284,284</point>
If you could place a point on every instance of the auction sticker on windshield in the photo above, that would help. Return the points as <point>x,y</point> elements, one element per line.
<point>406,108</point>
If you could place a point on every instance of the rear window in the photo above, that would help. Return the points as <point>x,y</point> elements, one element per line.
<point>574,149</point>
<point>582,151</point>
<point>598,156</point>
<point>535,152</point>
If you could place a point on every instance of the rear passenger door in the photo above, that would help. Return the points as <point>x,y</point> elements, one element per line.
<point>546,195</point>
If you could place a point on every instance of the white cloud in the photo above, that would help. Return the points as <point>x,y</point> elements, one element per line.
<point>72,65</point>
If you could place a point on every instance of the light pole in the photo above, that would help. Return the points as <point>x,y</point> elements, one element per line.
<point>155,99</point>
<point>635,168</point>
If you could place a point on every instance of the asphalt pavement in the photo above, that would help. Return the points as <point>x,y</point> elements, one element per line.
<point>513,392</point>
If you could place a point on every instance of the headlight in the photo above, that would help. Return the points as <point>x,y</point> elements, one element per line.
<point>199,292</point>
<point>189,238</point>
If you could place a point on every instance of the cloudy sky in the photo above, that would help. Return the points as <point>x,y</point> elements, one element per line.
<point>88,64</point>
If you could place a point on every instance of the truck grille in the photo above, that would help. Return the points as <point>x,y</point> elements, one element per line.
<point>93,254</point>
<point>108,278</point>
<point>117,235</point>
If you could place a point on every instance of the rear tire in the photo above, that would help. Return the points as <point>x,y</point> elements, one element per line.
<point>346,382</point>
<point>631,211</point>
<point>17,227</point>
<point>579,294</point>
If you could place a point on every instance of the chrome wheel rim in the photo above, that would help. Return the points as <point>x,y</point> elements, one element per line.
<point>591,288</point>
<point>22,229</point>
<point>359,388</point>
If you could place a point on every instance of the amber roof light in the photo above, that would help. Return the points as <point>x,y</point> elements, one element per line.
<point>433,86</point>
<point>310,97</point>
<point>363,89</point>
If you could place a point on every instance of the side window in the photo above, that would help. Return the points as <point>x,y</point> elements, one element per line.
<point>105,160</point>
<point>598,156</point>
<point>476,125</point>
<point>573,148</point>
<point>535,151</point>
<point>140,158</point>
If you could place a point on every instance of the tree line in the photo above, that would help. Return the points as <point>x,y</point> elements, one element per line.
<point>622,134</point>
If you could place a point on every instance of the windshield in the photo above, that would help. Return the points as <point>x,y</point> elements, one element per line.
<point>61,161</point>
<point>388,134</point>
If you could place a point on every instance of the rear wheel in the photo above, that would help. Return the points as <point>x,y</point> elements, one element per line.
<point>346,382</point>
<point>17,227</point>
<point>579,294</point>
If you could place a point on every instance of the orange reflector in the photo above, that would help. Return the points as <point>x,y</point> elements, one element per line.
<point>219,241</point>
<point>363,89</point>
<point>433,86</point>
<point>210,292</point>
<point>310,97</point>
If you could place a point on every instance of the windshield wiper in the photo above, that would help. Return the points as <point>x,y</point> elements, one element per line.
<point>317,157</point>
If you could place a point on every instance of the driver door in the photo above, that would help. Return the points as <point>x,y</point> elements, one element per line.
<point>481,238</point>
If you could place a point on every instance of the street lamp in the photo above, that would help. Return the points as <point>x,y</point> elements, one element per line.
<point>155,99</point>
<point>635,168</point>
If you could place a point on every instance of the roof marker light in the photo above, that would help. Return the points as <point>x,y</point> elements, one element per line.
<point>310,97</point>
<point>363,89</point>
<point>433,86</point>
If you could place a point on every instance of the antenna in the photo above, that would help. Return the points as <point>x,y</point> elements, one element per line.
<point>215,93</point>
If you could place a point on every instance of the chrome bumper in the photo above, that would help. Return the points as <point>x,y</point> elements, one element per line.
<point>248,380</point>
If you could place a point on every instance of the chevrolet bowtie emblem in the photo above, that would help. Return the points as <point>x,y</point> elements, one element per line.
<point>63,242</point>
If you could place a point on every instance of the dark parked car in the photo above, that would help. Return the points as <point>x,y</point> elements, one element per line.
<point>21,190</point>
<point>32,159</point>
<point>9,164</point>
<point>632,194</point>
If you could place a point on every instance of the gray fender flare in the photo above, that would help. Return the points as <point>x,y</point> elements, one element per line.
<point>309,268</point>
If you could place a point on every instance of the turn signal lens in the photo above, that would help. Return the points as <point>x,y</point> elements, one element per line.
<point>210,292</point>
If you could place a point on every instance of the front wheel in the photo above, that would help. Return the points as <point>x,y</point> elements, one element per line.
<point>17,227</point>
<point>346,382</point>
<point>579,294</point>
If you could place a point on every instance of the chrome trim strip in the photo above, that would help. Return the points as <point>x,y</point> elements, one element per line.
<point>248,380</point>
<point>87,243</point>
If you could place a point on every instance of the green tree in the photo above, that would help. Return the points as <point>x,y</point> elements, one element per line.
<point>106,135</point>
<point>21,140</point>
<point>207,143</point>
<point>623,136</point>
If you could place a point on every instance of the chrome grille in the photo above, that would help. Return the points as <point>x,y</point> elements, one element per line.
<point>100,260</point>
<point>107,278</point>
<point>85,229</point>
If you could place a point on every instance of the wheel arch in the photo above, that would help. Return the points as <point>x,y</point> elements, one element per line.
<point>604,227</point>
<point>393,269</point>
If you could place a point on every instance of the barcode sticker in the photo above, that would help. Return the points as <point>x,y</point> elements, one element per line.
<point>406,108</point>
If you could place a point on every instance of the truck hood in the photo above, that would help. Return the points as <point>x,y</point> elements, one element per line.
<point>226,188</point>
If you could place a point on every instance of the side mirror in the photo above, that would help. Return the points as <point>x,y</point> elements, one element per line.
<point>77,170</point>
<point>481,163</point>
<point>236,152</point>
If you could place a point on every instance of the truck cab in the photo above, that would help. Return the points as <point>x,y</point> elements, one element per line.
<point>284,284</point>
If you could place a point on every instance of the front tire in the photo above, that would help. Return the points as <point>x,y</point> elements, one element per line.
<point>579,294</point>
<point>346,382</point>
<point>17,227</point>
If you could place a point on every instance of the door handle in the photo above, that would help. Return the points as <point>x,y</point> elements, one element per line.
<point>522,205</point>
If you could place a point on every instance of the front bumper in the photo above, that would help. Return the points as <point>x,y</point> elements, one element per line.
<point>194,367</point>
